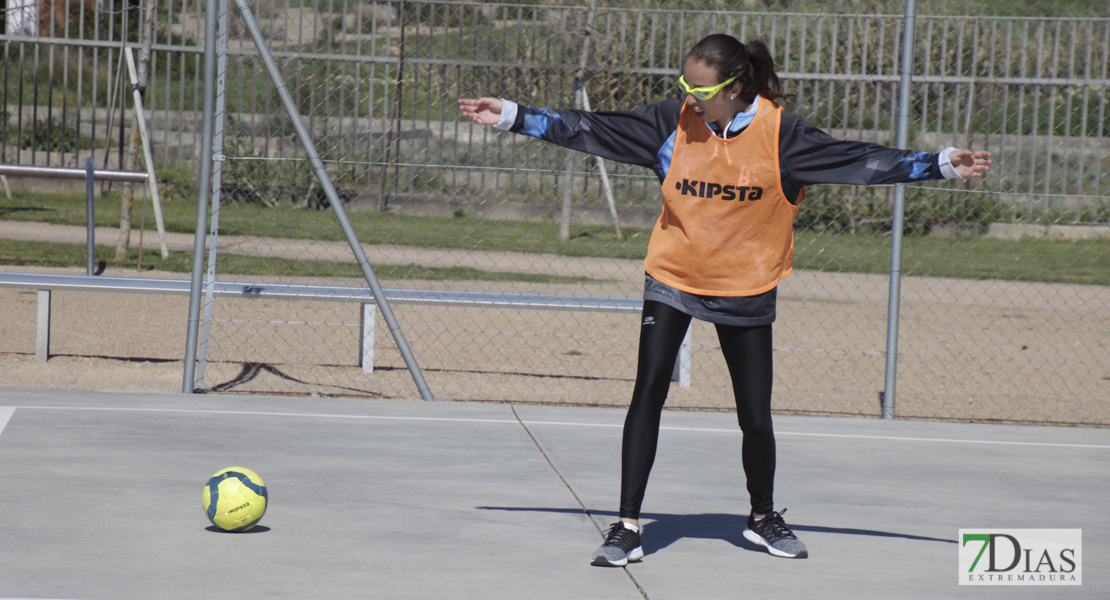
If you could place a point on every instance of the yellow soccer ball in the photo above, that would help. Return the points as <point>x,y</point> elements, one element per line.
<point>235,499</point>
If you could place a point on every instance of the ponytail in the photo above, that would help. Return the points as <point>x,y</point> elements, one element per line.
<point>762,79</point>
<point>751,63</point>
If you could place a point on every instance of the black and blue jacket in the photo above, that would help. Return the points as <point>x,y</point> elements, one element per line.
<point>807,155</point>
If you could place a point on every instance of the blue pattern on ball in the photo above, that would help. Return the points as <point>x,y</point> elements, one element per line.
<point>214,493</point>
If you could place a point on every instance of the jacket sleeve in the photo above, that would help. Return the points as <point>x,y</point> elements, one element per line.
<point>810,156</point>
<point>633,137</point>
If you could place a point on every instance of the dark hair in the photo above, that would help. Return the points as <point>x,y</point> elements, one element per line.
<point>752,62</point>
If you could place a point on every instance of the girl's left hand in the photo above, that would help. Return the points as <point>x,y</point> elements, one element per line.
<point>970,163</point>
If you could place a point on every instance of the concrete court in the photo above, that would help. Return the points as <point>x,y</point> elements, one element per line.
<point>100,497</point>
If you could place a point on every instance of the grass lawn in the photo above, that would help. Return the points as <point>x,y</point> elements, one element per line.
<point>972,257</point>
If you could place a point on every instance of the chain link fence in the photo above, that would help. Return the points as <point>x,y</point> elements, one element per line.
<point>1005,287</point>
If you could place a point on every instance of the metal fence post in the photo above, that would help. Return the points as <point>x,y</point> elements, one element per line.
<point>218,118</point>
<point>42,339</point>
<point>188,382</point>
<point>904,93</point>
<point>90,215</point>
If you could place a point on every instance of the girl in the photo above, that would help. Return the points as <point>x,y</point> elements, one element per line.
<point>733,166</point>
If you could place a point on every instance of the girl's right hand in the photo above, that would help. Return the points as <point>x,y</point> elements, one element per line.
<point>483,111</point>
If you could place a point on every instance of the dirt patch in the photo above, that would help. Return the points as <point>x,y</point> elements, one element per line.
<point>988,351</point>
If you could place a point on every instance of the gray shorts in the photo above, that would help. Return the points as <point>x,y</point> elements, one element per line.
<point>746,311</point>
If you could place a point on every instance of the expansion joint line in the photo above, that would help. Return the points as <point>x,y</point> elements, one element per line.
<point>570,489</point>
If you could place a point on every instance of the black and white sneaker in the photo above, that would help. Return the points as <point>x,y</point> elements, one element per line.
<point>771,531</point>
<point>622,544</point>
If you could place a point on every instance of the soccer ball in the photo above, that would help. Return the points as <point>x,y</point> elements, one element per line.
<point>235,499</point>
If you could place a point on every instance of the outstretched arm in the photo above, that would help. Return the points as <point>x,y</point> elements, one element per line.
<point>810,156</point>
<point>633,137</point>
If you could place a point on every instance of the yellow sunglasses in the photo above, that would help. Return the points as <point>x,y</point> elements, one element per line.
<point>705,92</point>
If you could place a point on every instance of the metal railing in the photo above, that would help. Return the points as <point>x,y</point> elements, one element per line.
<point>89,175</point>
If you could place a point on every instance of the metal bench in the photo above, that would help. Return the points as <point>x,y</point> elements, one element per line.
<point>48,283</point>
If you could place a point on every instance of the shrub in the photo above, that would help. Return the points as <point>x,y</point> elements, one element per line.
<point>52,134</point>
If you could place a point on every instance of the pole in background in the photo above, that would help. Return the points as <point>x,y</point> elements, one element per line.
<point>144,141</point>
<point>90,213</point>
<point>217,181</point>
<point>582,101</point>
<point>329,191</point>
<point>904,93</point>
<point>203,193</point>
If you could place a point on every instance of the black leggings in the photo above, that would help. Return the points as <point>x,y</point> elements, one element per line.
<point>747,352</point>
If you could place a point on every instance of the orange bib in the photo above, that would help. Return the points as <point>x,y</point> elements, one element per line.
<point>726,228</point>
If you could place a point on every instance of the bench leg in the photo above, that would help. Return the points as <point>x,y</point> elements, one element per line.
<point>42,338</point>
<point>681,372</point>
<point>366,337</point>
